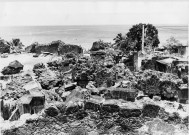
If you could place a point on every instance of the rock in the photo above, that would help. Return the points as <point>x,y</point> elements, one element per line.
<point>39,68</point>
<point>157,126</point>
<point>81,114</point>
<point>99,45</point>
<point>110,106</point>
<point>13,68</point>
<point>55,47</point>
<point>102,90</point>
<point>49,80</point>
<point>79,131</point>
<point>70,48</point>
<point>174,118</point>
<point>60,105</point>
<point>92,88</point>
<point>82,79</point>
<point>4,47</point>
<point>70,86</point>
<point>65,94</point>
<point>130,124</point>
<point>150,110</point>
<point>36,55</point>
<point>156,98</point>
<point>93,133</point>
<point>72,107</point>
<point>52,111</point>
<point>32,85</point>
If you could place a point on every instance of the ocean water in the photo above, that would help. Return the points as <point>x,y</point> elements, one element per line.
<point>83,35</point>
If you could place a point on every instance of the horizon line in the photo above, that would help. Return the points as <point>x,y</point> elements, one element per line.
<point>93,25</point>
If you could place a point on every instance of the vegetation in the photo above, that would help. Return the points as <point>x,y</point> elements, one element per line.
<point>172,43</point>
<point>132,41</point>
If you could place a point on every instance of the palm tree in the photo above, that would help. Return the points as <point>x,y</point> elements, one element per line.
<point>120,40</point>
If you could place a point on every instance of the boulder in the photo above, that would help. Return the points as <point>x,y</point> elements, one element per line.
<point>72,107</point>
<point>110,106</point>
<point>52,111</point>
<point>13,68</point>
<point>49,80</point>
<point>39,68</point>
<point>99,45</point>
<point>4,47</point>
<point>150,110</point>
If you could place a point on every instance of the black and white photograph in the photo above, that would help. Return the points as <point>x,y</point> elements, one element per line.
<point>94,67</point>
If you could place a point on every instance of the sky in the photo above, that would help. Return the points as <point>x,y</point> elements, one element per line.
<point>93,12</point>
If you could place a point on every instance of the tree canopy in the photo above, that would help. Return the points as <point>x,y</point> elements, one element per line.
<point>132,41</point>
<point>172,42</point>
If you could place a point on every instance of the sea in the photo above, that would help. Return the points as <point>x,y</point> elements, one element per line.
<point>84,35</point>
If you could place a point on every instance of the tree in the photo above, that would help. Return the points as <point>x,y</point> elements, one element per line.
<point>123,43</point>
<point>135,35</point>
<point>172,42</point>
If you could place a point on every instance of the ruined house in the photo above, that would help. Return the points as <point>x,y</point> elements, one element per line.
<point>164,65</point>
<point>180,49</point>
<point>32,103</point>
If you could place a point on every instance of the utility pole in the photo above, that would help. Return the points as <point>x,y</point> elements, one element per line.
<point>142,39</point>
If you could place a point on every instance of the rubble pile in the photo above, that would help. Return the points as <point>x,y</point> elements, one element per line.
<point>15,89</point>
<point>105,120</point>
<point>158,83</point>
<point>49,80</point>
<point>95,95</point>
